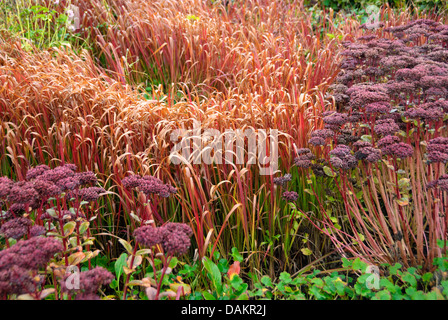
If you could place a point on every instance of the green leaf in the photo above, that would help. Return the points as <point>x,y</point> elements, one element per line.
<point>208,296</point>
<point>329,172</point>
<point>362,289</point>
<point>318,282</point>
<point>427,277</point>
<point>173,263</point>
<point>444,285</point>
<point>223,265</point>
<point>340,286</point>
<point>389,286</point>
<point>236,282</point>
<point>83,227</point>
<point>306,251</point>
<point>69,227</point>
<point>285,277</point>
<point>126,245</point>
<point>359,265</point>
<point>266,281</point>
<point>243,296</point>
<point>361,237</point>
<point>395,269</point>
<point>52,213</point>
<point>114,284</point>
<point>346,263</point>
<point>404,183</point>
<point>214,273</point>
<point>315,291</point>
<point>382,295</point>
<point>299,280</point>
<point>409,278</point>
<point>367,138</point>
<point>236,255</point>
<point>119,264</point>
<point>440,243</point>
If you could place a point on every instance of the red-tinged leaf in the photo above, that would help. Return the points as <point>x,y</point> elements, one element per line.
<point>151,293</point>
<point>234,270</point>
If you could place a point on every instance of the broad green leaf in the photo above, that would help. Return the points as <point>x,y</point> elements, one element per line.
<point>69,227</point>
<point>126,245</point>
<point>427,277</point>
<point>346,263</point>
<point>367,138</point>
<point>306,251</point>
<point>76,258</point>
<point>359,265</point>
<point>409,278</point>
<point>83,227</point>
<point>143,251</point>
<point>52,213</point>
<point>382,295</point>
<point>236,255</point>
<point>119,264</point>
<point>208,296</point>
<point>266,281</point>
<point>173,263</point>
<point>214,273</point>
<point>329,172</point>
<point>285,277</point>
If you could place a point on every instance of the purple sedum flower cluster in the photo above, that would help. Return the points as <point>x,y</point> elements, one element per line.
<point>43,183</point>
<point>174,238</point>
<point>389,91</point>
<point>20,263</point>
<point>149,185</point>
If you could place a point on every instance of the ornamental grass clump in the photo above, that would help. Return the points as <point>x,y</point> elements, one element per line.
<point>390,100</point>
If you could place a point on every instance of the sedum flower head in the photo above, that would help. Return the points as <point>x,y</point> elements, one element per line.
<point>290,196</point>
<point>15,228</point>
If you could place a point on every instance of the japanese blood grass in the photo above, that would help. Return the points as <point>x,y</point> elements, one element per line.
<point>255,45</point>
<point>60,107</point>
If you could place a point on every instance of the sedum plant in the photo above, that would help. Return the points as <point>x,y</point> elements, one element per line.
<point>385,146</point>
